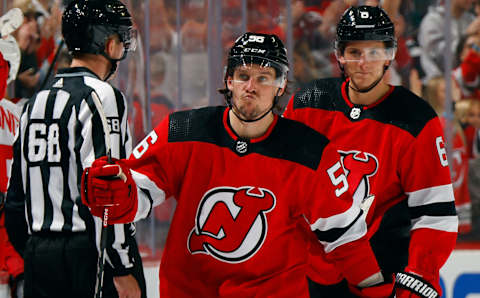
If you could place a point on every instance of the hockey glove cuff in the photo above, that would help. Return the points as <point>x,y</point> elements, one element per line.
<point>409,285</point>
<point>383,289</point>
<point>110,185</point>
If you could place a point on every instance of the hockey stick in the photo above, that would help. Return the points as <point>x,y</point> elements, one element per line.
<point>104,231</point>
<point>52,65</point>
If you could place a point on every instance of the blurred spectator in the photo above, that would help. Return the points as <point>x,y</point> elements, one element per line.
<point>467,74</point>
<point>435,95</point>
<point>461,112</point>
<point>194,29</point>
<point>431,36</point>
<point>28,38</point>
<point>472,132</point>
<point>304,69</point>
<point>160,105</point>
<point>263,17</point>
<point>11,263</point>
<point>41,28</point>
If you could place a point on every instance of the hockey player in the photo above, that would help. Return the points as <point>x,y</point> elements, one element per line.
<point>11,263</point>
<point>244,180</point>
<point>392,146</point>
<point>60,134</point>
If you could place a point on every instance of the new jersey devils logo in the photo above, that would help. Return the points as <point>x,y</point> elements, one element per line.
<point>230,224</point>
<point>359,166</point>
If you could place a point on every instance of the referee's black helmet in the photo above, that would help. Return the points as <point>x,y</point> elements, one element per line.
<point>87,24</point>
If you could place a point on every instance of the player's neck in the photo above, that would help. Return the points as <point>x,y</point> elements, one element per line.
<point>98,64</point>
<point>369,97</point>
<point>250,130</point>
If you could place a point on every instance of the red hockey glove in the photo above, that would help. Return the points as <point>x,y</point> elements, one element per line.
<point>112,186</point>
<point>409,285</point>
<point>384,289</point>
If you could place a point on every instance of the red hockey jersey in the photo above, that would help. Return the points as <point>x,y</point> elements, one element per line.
<point>393,149</point>
<point>238,226</point>
<point>10,260</point>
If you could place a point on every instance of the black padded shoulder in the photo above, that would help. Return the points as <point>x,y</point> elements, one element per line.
<point>320,94</point>
<point>401,108</point>
<point>196,125</point>
<point>405,110</point>
<point>294,141</point>
<point>289,140</point>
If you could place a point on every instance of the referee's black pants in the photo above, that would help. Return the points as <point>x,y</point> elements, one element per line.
<point>65,265</point>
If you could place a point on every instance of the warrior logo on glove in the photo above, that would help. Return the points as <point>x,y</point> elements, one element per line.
<point>231,224</point>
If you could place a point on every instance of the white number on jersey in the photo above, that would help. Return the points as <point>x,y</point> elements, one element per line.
<point>43,141</point>
<point>442,152</point>
<point>144,144</point>
<point>341,179</point>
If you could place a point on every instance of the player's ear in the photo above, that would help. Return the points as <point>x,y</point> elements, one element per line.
<point>229,83</point>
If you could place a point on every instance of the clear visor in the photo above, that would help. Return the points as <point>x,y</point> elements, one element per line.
<point>129,39</point>
<point>264,74</point>
<point>353,54</point>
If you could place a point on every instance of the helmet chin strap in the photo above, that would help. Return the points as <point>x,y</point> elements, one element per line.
<point>113,63</point>
<point>234,109</point>
<point>365,90</point>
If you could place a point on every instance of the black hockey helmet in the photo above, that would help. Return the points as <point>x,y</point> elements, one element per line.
<point>87,24</point>
<point>266,50</point>
<point>365,23</point>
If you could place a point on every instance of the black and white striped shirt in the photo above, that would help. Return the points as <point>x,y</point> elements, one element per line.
<point>60,134</point>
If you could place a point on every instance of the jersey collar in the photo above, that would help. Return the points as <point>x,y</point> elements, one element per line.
<point>76,72</point>
<point>235,137</point>
<point>363,107</point>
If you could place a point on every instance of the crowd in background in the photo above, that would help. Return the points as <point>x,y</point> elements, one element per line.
<point>419,65</point>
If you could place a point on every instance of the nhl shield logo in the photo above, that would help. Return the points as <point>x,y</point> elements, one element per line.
<point>355,113</point>
<point>241,146</point>
<point>231,223</point>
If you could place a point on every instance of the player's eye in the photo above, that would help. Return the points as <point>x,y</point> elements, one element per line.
<point>244,77</point>
<point>352,52</point>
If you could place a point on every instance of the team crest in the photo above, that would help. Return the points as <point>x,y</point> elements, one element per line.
<point>359,167</point>
<point>230,223</point>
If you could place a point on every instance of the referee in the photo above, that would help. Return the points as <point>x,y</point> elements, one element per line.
<point>60,134</point>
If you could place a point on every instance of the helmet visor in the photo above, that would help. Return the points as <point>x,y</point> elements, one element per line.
<point>129,38</point>
<point>250,73</point>
<point>354,54</point>
<point>244,62</point>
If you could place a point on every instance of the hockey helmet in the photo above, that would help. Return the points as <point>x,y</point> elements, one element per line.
<point>87,24</point>
<point>266,50</point>
<point>365,23</point>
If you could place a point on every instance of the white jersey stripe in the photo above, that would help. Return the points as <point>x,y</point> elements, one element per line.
<point>110,109</point>
<point>144,204</point>
<point>38,108</point>
<point>342,220</point>
<point>87,155</point>
<point>336,221</point>
<point>36,191</point>
<point>436,194</point>
<point>77,223</point>
<point>55,191</point>
<point>441,223</point>
<point>60,102</point>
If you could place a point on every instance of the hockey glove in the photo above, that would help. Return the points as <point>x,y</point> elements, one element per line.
<point>384,289</point>
<point>409,285</point>
<point>112,186</point>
